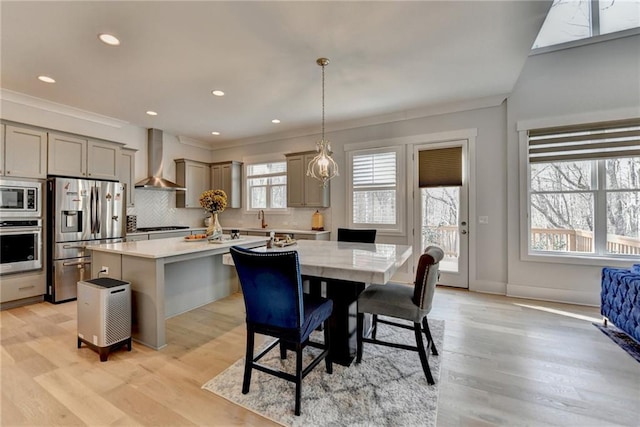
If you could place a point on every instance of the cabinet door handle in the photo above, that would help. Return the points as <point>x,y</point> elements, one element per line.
<point>26,287</point>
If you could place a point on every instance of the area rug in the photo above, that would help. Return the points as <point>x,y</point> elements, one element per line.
<point>623,340</point>
<point>387,389</point>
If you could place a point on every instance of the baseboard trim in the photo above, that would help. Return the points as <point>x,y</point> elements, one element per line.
<point>557,295</point>
<point>488,287</point>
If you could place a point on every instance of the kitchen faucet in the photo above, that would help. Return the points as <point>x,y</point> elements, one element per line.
<point>261,216</point>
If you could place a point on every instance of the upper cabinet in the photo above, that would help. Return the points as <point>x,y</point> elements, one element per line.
<point>83,158</point>
<point>128,173</point>
<point>194,176</point>
<point>24,152</point>
<point>227,176</point>
<point>304,191</point>
<point>103,160</point>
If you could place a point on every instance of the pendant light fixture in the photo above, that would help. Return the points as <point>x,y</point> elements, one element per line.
<point>322,167</point>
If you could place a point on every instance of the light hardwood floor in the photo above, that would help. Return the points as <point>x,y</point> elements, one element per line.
<point>505,362</point>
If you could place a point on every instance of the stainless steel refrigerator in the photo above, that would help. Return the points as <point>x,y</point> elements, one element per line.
<point>80,213</point>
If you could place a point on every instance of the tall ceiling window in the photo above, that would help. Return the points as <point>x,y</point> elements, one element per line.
<point>572,20</point>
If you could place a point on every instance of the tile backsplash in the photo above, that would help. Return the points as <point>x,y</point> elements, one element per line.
<point>156,208</point>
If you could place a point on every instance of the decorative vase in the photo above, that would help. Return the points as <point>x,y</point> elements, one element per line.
<point>214,231</point>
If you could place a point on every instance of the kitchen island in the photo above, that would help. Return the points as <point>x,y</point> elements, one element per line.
<point>168,277</point>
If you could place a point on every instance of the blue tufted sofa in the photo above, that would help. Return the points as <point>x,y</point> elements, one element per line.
<point>620,298</point>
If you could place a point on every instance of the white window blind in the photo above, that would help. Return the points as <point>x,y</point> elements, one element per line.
<point>374,186</point>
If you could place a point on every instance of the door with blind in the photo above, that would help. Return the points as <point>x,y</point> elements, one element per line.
<point>441,207</point>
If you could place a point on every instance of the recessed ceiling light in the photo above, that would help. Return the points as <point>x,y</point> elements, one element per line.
<point>46,79</point>
<point>215,133</point>
<point>217,92</point>
<point>109,39</point>
<point>276,121</point>
<point>152,113</point>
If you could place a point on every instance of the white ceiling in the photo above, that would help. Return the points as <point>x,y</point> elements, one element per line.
<point>386,58</point>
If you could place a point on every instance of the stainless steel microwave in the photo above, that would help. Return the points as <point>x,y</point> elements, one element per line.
<point>20,199</point>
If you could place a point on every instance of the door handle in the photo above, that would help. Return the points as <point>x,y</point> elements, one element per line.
<point>73,264</point>
<point>73,247</point>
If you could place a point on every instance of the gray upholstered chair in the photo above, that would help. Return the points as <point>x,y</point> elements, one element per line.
<point>405,302</point>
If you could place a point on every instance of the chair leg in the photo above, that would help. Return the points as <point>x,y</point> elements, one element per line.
<point>298,377</point>
<point>423,354</point>
<point>327,341</point>
<point>374,326</point>
<point>248,361</point>
<point>359,332</point>
<point>427,333</point>
<point>283,350</point>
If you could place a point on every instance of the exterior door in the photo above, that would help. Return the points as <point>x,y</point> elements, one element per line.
<point>442,213</point>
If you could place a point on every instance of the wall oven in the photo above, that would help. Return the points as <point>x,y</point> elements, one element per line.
<point>20,199</point>
<point>20,245</point>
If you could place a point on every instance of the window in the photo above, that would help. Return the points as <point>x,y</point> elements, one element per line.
<point>572,20</point>
<point>584,190</point>
<point>376,200</point>
<point>267,186</point>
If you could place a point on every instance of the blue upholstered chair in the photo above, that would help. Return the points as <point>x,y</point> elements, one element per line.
<point>405,302</point>
<point>276,306</point>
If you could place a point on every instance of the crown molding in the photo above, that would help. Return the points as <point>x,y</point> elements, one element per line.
<point>54,107</point>
<point>193,142</point>
<point>430,111</point>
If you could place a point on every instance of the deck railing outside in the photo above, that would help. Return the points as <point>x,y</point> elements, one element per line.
<point>543,239</point>
<point>558,239</point>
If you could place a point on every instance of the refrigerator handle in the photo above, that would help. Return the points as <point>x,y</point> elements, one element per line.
<point>91,210</point>
<point>98,210</point>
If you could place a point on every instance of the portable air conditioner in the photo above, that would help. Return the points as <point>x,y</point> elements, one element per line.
<point>104,315</point>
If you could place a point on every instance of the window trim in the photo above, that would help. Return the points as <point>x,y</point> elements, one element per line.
<point>397,229</point>
<point>525,188</point>
<point>257,161</point>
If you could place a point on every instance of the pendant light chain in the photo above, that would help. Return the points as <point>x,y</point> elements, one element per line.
<point>323,65</point>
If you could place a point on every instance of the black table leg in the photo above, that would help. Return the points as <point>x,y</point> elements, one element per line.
<point>342,322</point>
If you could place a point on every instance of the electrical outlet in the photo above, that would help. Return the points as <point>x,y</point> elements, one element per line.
<point>105,270</point>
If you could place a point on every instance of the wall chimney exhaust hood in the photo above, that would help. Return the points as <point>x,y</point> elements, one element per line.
<point>155,181</point>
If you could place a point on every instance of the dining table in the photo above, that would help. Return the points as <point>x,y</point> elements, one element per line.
<point>346,268</point>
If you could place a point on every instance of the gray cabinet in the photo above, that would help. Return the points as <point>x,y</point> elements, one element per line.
<point>103,160</point>
<point>304,191</point>
<point>20,286</point>
<point>24,152</point>
<point>227,176</point>
<point>128,173</point>
<point>83,158</point>
<point>194,176</point>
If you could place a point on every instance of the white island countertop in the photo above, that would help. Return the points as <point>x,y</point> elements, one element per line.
<point>174,246</point>
<point>358,262</point>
